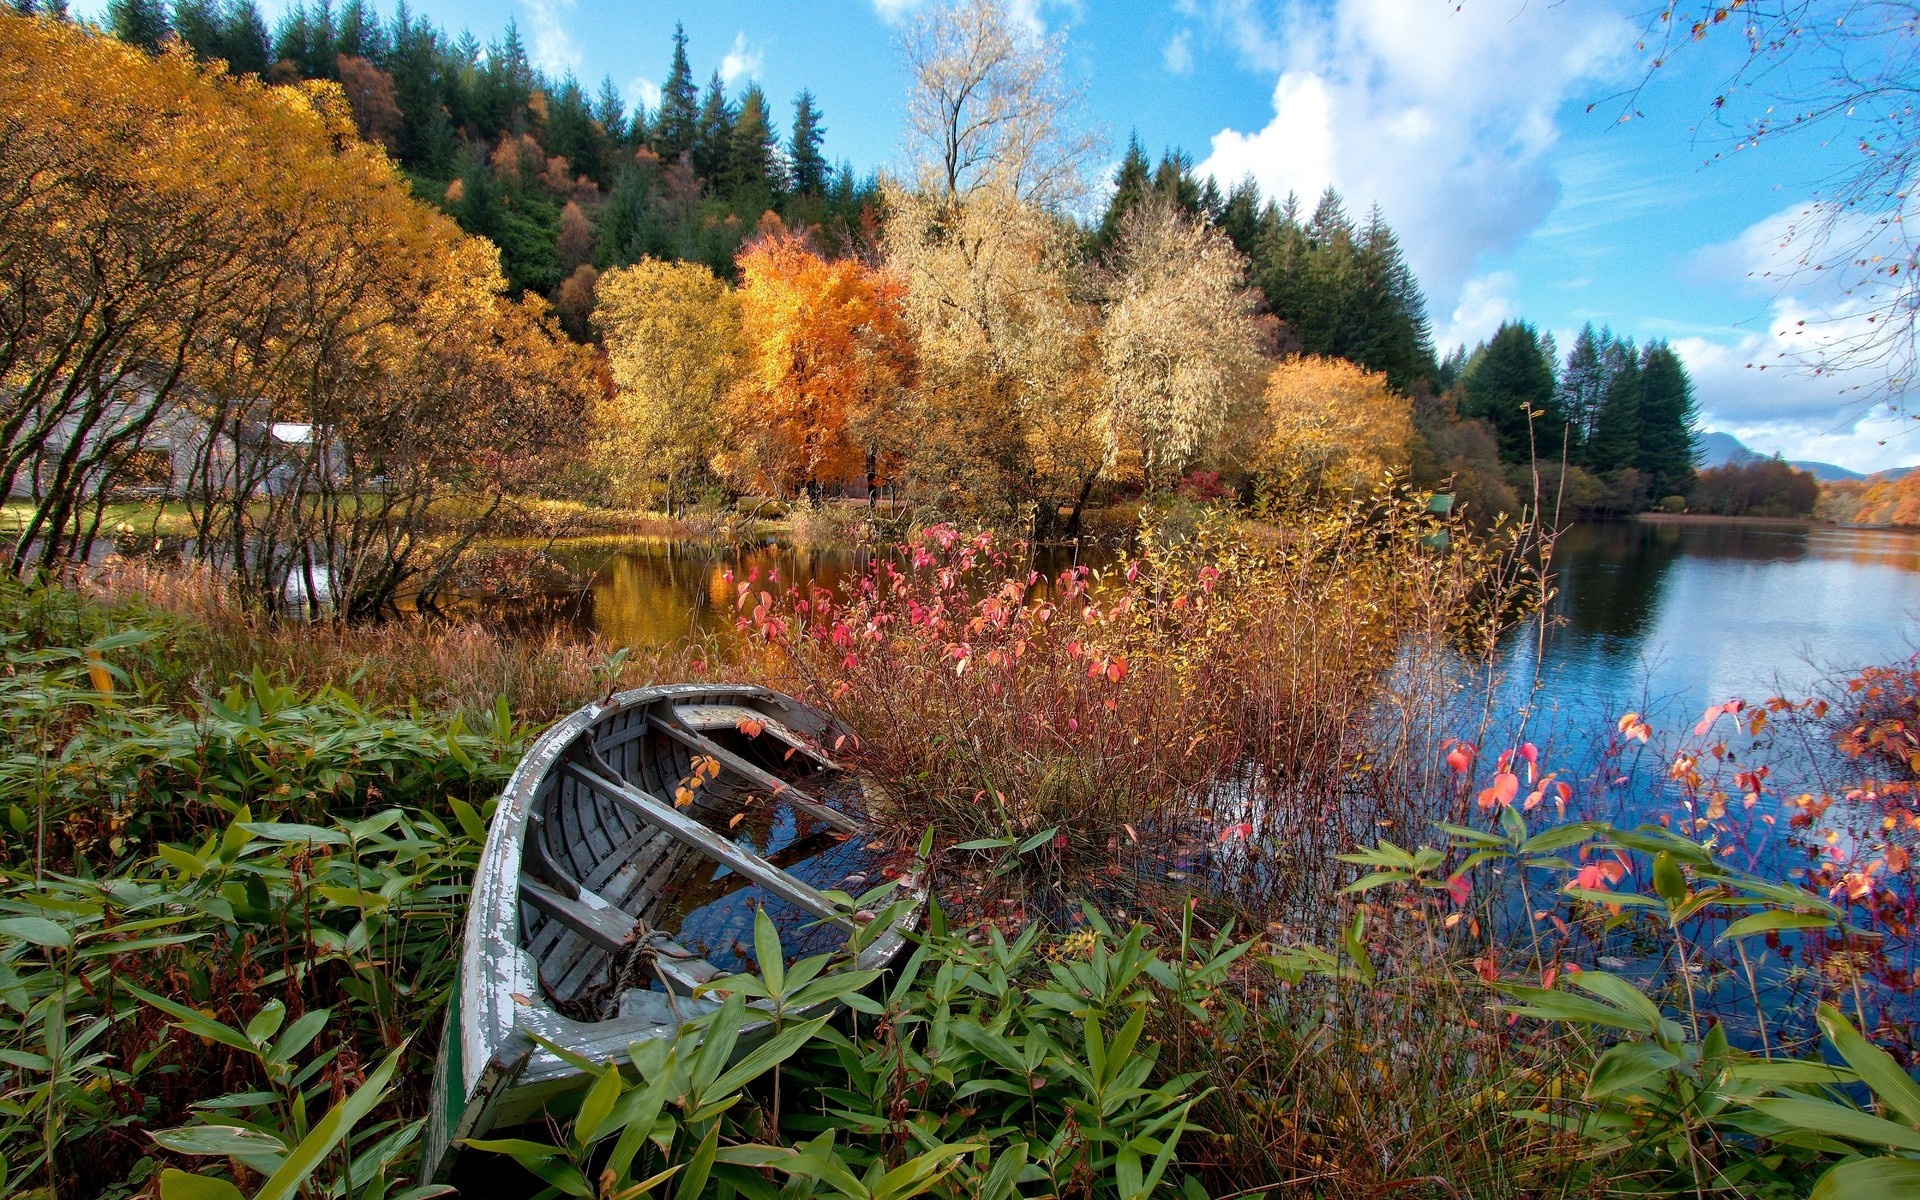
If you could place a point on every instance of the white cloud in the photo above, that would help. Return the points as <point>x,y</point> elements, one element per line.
<point>1179,53</point>
<point>1798,385</point>
<point>553,49</point>
<point>1026,14</point>
<point>1442,114</point>
<point>741,60</point>
<point>644,92</point>
<point>1485,301</point>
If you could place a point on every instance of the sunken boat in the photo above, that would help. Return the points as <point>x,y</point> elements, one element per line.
<point>624,867</point>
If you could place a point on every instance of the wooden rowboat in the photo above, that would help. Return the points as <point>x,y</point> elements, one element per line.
<point>623,869</point>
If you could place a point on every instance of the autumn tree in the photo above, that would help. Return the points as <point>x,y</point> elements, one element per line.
<point>991,106</point>
<point>1332,428</point>
<point>672,333</point>
<point>1177,343</point>
<point>826,360</point>
<point>209,259</point>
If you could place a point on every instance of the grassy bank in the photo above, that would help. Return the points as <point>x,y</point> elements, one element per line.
<point>1175,956</point>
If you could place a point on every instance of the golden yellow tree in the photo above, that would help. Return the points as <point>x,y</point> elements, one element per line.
<point>1178,343</point>
<point>672,332</point>
<point>827,358</point>
<point>205,259</point>
<point>1332,428</point>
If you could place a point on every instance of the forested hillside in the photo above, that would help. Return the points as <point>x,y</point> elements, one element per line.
<point>565,182</point>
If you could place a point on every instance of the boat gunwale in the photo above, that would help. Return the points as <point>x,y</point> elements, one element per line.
<point>501,995</point>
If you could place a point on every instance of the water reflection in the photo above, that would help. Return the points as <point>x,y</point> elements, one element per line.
<point>655,595</point>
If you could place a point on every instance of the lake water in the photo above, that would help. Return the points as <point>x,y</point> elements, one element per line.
<point>1659,617</point>
<point>1649,615</point>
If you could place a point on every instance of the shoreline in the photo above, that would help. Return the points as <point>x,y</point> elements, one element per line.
<point>1662,518</point>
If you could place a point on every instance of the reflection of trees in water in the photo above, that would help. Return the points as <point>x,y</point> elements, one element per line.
<point>1609,577</point>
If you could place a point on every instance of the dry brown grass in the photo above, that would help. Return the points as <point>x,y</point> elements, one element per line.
<point>452,666</point>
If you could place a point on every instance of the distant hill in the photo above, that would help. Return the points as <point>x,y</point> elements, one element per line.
<point>1723,449</point>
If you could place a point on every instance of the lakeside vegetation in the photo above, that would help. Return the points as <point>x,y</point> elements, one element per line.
<point>1243,886</point>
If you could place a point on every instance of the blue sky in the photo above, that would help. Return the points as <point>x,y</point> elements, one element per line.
<point>1467,120</point>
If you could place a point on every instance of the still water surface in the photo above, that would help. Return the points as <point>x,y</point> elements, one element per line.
<point>1648,615</point>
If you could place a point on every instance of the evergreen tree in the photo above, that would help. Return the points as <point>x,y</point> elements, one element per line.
<point>629,227</point>
<point>678,121</point>
<point>244,39</point>
<point>571,131</point>
<point>1450,369</point>
<point>506,85</point>
<point>305,39</point>
<point>611,111</point>
<point>359,34</point>
<point>1667,414</point>
<point>1173,181</point>
<point>806,166</point>
<point>1324,312</point>
<point>1615,445</point>
<point>1506,380</point>
<point>1131,183</point>
<point>713,137</point>
<point>753,163</point>
<point>1387,327</point>
<point>1240,216</point>
<point>199,24</point>
<point>1280,261</point>
<point>426,131</point>
<point>139,22</point>
<point>1583,385</point>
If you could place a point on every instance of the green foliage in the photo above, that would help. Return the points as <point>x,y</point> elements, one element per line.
<point>1664,1104</point>
<point>1509,383</point>
<point>990,1070</point>
<point>280,877</point>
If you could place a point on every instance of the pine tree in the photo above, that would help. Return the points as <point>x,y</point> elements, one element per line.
<point>1667,414</point>
<point>1173,181</point>
<point>1615,445</point>
<point>677,122</point>
<point>571,131</point>
<point>199,25</point>
<point>244,39</point>
<point>139,22</point>
<point>753,162</point>
<point>1131,183</point>
<point>359,32</point>
<point>1240,216</point>
<point>1387,329</point>
<point>805,164</point>
<point>611,111</point>
<point>1507,380</point>
<point>1583,385</point>
<point>713,137</point>
<point>1280,261</point>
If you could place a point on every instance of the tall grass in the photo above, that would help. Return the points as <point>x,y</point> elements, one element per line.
<point>541,671</point>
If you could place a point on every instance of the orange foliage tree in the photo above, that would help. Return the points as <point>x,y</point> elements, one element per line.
<point>827,359</point>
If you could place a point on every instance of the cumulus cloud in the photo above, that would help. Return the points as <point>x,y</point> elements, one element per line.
<point>1179,53</point>
<point>553,49</point>
<point>741,60</point>
<point>643,92</point>
<point>1485,301</point>
<point>892,10</point>
<point>1026,14</point>
<point>1807,379</point>
<point>1444,115</point>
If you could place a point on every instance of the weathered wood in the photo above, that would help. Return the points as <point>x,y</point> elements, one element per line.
<point>547,916</point>
<point>775,785</point>
<point>606,927</point>
<point>705,840</point>
<point>702,717</point>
